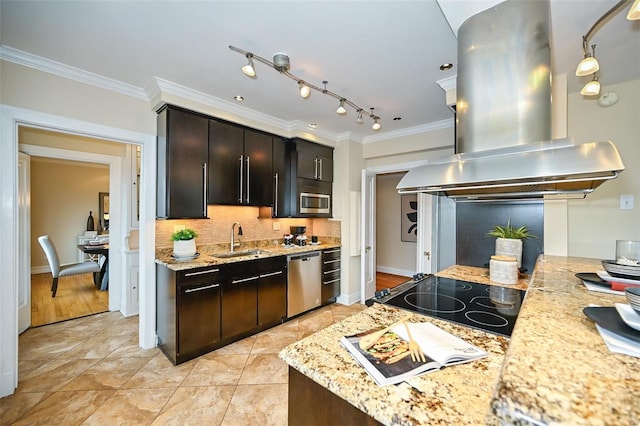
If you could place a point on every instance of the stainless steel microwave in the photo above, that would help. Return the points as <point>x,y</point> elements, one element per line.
<point>312,203</point>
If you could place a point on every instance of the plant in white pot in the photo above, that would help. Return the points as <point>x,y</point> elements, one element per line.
<point>184,242</point>
<point>509,240</point>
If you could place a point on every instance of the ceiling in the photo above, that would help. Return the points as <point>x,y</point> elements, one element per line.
<point>381,54</point>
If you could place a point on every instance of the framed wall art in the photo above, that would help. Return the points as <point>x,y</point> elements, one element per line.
<point>409,219</point>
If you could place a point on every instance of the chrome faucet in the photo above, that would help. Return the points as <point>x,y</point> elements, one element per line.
<point>233,243</point>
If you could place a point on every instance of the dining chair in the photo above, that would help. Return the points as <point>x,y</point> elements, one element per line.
<point>58,270</point>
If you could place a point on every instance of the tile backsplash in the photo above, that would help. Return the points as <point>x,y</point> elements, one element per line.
<point>217,229</point>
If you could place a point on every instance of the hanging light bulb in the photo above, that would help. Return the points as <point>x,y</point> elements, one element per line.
<point>359,120</point>
<point>589,64</point>
<point>634,11</point>
<point>248,69</point>
<point>592,88</point>
<point>376,125</point>
<point>341,109</point>
<point>305,91</point>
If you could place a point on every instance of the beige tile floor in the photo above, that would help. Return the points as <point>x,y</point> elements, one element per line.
<point>90,371</point>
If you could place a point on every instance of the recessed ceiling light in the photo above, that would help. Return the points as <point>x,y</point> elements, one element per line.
<point>238,98</point>
<point>313,125</point>
<point>446,67</point>
<point>397,118</point>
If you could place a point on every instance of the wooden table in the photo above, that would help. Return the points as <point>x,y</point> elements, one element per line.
<point>102,250</point>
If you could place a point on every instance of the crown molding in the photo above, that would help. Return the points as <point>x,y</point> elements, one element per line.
<point>411,131</point>
<point>43,64</point>
<point>448,83</point>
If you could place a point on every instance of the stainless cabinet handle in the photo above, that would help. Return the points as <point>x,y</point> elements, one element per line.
<point>331,261</point>
<point>248,179</point>
<point>315,168</point>
<point>272,274</point>
<point>204,192</point>
<point>191,290</point>
<point>241,182</point>
<point>332,251</point>
<point>244,280</point>
<point>208,271</point>
<point>320,174</point>
<point>275,202</point>
<point>332,271</point>
<point>331,282</point>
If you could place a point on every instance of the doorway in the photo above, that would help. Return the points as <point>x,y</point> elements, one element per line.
<point>62,194</point>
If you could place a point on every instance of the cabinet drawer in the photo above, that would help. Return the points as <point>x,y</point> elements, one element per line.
<point>330,275</point>
<point>328,265</point>
<point>331,254</point>
<point>200,275</point>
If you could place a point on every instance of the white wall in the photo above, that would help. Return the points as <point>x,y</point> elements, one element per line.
<point>393,256</point>
<point>596,222</point>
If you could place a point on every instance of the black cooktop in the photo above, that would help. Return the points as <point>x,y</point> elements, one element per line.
<point>490,308</point>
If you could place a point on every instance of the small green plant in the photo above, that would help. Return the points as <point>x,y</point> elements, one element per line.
<point>184,234</point>
<point>508,231</point>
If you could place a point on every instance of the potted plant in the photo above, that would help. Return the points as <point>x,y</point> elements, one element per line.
<point>509,240</point>
<point>184,243</point>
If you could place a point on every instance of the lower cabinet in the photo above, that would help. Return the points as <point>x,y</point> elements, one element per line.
<point>330,275</point>
<point>202,309</point>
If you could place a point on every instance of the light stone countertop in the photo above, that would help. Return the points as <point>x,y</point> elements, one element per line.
<point>556,369</point>
<point>267,249</point>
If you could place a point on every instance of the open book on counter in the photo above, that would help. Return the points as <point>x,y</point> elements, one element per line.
<point>388,361</point>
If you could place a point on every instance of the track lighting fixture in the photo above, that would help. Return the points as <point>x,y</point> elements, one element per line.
<point>248,69</point>
<point>592,88</point>
<point>589,64</point>
<point>281,63</point>
<point>304,89</point>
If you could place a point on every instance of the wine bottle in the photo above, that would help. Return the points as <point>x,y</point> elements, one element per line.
<point>90,223</point>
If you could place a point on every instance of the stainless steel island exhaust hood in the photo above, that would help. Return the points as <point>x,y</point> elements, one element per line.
<point>503,142</point>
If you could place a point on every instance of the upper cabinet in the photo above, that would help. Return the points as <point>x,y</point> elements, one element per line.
<point>281,178</point>
<point>240,165</point>
<point>183,149</point>
<point>314,161</point>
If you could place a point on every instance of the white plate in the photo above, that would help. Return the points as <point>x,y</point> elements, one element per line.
<point>628,315</point>
<point>605,276</point>
<point>185,257</point>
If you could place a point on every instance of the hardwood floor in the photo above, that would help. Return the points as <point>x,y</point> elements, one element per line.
<point>389,280</point>
<point>77,296</point>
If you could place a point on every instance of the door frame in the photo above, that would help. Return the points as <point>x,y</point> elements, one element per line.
<point>369,215</point>
<point>10,119</point>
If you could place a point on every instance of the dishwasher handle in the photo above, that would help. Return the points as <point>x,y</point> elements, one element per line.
<point>303,256</point>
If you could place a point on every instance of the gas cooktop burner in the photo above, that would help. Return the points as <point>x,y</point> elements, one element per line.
<point>489,308</point>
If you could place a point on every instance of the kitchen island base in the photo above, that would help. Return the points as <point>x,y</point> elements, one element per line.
<point>311,404</point>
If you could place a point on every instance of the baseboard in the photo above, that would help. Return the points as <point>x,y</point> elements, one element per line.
<point>40,270</point>
<point>349,299</point>
<point>395,271</point>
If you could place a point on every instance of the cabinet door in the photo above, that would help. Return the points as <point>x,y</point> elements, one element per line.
<point>226,157</point>
<point>272,297</point>
<point>258,178</point>
<point>182,158</point>
<point>325,165</point>
<point>307,162</point>
<point>198,315</point>
<point>281,178</point>
<point>239,305</point>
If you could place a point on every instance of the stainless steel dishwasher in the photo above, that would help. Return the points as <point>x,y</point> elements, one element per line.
<point>304,287</point>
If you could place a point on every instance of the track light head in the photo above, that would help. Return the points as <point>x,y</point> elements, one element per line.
<point>592,88</point>
<point>634,11</point>
<point>341,109</point>
<point>589,64</point>
<point>248,69</point>
<point>376,125</point>
<point>305,91</point>
<point>359,120</point>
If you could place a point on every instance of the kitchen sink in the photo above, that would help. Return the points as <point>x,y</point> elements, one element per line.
<point>241,253</point>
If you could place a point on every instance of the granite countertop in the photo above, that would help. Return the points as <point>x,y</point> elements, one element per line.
<point>555,369</point>
<point>267,248</point>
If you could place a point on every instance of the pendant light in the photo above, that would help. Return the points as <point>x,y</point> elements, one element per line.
<point>305,91</point>
<point>592,88</point>
<point>589,64</point>
<point>248,69</point>
<point>341,110</point>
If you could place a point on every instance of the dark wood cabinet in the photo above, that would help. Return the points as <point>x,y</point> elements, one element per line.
<point>281,178</point>
<point>254,297</point>
<point>183,148</point>
<point>188,311</point>
<point>240,165</point>
<point>330,274</point>
<point>313,161</point>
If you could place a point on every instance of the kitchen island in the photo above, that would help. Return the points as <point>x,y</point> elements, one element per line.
<point>555,369</point>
